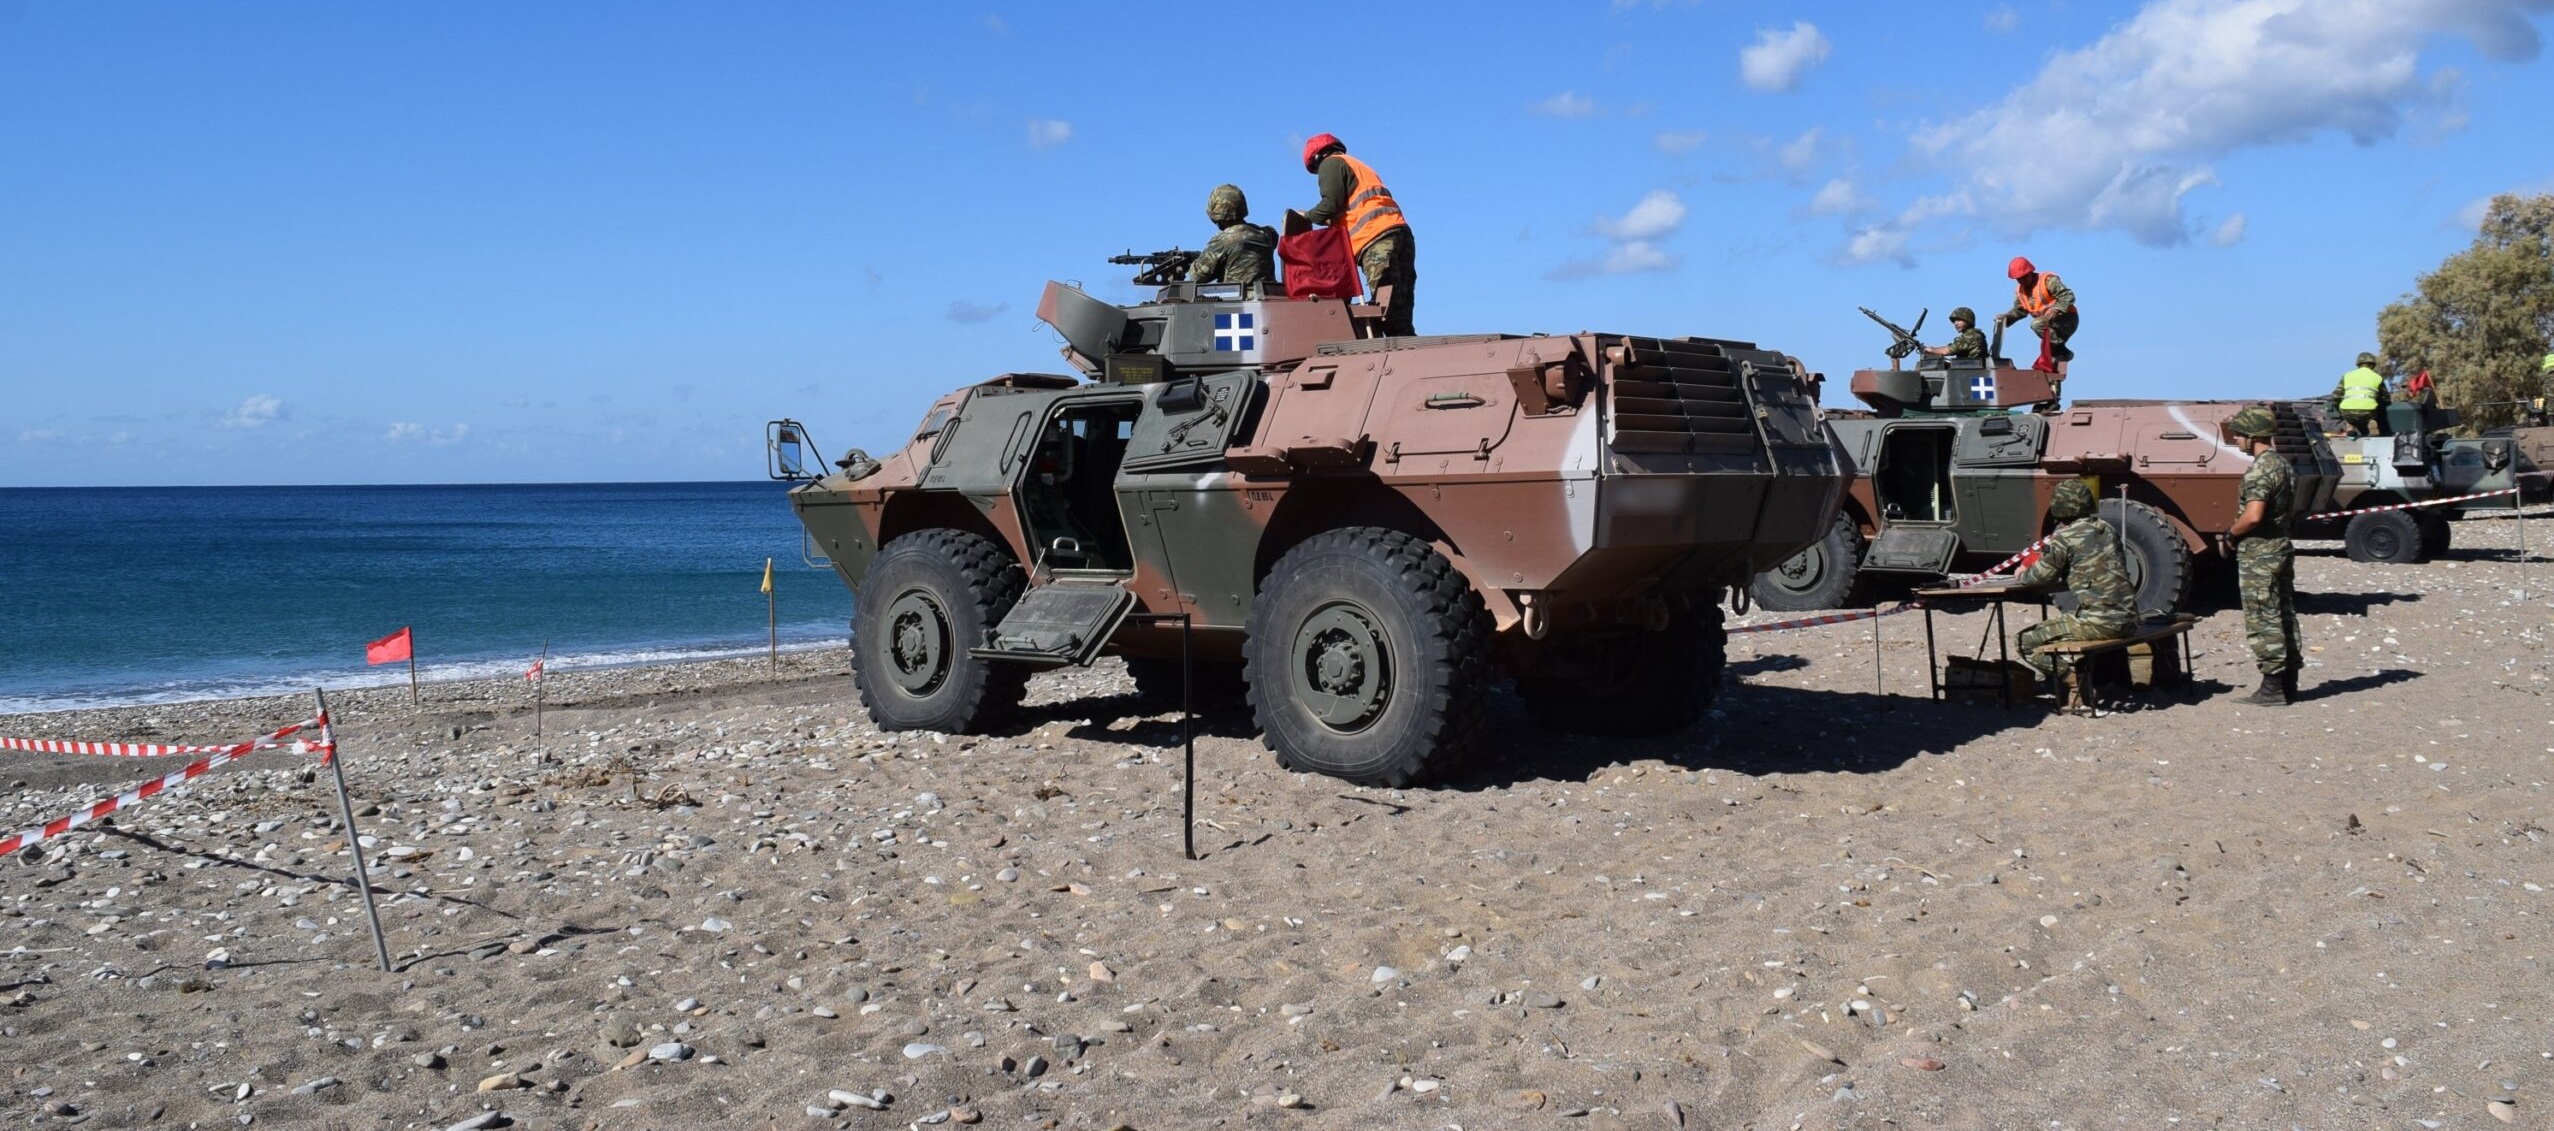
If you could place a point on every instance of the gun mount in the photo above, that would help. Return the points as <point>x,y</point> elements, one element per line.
<point>1906,343</point>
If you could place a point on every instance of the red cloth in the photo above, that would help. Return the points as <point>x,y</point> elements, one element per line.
<point>2048,356</point>
<point>2418,386</point>
<point>1317,264</point>
<point>390,649</point>
<point>534,672</point>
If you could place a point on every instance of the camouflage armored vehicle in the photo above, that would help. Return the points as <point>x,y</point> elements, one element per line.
<point>1948,476</point>
<point>1372,529</point>
<point>2404,466</point>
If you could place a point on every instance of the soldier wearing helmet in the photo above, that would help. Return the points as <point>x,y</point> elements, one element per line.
<point>2361,396</point>
<point>2083,556</point>
<point>1353,196</point>
<point>2050,305</point>
<point>1240,251</point>
<point>1968,342</point>
<point>2265,561</point>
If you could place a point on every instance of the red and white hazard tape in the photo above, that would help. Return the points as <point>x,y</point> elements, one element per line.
<point>326,747</point>
<point>158,750</point>
<point>2409,506</point>
<point>1970,581</point>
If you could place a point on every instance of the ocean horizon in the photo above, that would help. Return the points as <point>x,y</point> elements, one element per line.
<point>119,596</point>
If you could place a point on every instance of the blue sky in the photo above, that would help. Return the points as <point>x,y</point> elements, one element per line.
<point>322,243</point>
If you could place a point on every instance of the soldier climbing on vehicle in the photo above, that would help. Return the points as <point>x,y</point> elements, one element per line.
<point>2360,397</point>
<point>2050,305</point>
<point>1353,195</point>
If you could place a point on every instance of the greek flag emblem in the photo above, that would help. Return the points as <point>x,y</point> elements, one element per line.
<point>1235,331</point>
<point>1982,387</point>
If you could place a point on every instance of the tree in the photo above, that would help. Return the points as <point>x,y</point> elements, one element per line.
<point>2481,322</point>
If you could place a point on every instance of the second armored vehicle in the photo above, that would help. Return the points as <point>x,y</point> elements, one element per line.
<point>1373,529</point>
<point>1947,475</point>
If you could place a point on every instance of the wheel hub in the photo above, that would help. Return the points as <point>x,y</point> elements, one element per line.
<point>917,643</point>
<point>1342,667</point>
<point>1801,570</point>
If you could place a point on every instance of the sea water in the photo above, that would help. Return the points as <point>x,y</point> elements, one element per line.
<point>113,596</point>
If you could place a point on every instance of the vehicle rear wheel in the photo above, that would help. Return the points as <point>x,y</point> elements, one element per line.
<point>2159,562</point>
<point>1367,658</point>
<point>930,596</point>
<point>2392,537</point>
<point>1823,576</point>
<point>1655,683</point>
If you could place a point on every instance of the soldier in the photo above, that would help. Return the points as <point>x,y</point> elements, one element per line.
<point>2050,305</point>
<point>2084,554</point>
<point>1968,342</point>
<point>1240,252</point>
<point>2359,396</point>
<point>2265,562</point>
<point>1353,195</point>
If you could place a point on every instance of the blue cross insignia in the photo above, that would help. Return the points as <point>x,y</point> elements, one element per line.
<point>1982,387</point>
<point>1236,330</point>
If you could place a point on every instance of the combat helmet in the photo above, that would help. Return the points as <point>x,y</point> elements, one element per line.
<point>2072,500</point>
<point>1964,314</point>
<point>2254,421</point>
<point>1227,205</point>
<point>2367,360</point>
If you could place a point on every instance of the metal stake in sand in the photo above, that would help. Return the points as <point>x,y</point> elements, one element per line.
<point>1875,652</point>
<point>413,698</point>
<point>354,837</point>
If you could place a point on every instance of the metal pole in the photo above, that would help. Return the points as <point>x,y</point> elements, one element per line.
<point>773,601</point>
<point>1875,652</point>
<point>354,837</point>
<point>413,698</point>
<point>1188,744</point>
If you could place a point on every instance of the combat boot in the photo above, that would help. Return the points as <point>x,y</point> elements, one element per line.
<point>2273,692</point>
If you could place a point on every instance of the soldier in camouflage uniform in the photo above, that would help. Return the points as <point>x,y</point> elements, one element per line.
<point>2083,555</point>
<point>1353,195</point>
<point>1240,252</point>
<point>2265,561</point>
<point>1969,342</point>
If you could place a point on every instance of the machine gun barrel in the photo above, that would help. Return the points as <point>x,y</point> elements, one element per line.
<point>1160,268</point>
<point>1906,343</point>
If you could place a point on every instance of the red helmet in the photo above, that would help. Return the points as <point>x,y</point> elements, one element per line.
<point>2018,268</point>
<point>1320,142</point>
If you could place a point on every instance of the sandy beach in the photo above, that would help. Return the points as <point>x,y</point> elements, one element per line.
<point>714,895</point>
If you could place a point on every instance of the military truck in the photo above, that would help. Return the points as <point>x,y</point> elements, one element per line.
<point>1372,529</point>
<point>2405,465</point>
<point>1949,475</point>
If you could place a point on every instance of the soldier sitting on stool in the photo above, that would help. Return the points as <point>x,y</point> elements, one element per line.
<point>2084,555</point>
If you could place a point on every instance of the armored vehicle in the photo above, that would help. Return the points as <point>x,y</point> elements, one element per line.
<point>1372,529</point>
<point>2406,465</point>
<point>1947,474</point>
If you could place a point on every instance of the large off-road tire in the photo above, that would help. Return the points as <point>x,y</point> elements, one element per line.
<point>2436,531</point>
<point>2159,562</point>
<point>2392,537</point>
<point>929,597</point>
<point>1823,576</point>
<point>1367,658</point>
<point>1654,683</point>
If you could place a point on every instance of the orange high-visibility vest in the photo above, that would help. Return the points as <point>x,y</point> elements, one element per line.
<point>1371,211</point>
<point>2036,299</point>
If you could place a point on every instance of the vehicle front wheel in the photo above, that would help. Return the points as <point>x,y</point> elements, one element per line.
<point>2392,537</point>
<point>930,596</point>
<point>1367,658</point>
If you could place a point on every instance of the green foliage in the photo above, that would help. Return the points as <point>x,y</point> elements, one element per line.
<point>2481,322</point>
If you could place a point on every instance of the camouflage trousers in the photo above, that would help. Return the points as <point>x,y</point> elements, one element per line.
<point>1393,261</point>
<point>2268,580</point>
<point>2360,423</point>
<point>2058,629</point>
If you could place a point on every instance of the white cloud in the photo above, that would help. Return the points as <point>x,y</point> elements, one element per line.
<point>2470,217</point>
<point>1635,234</point>
<point>1882,244</point>
<point>403,431</point>
<point>1567,104</point>
<point>1775,62</point>
<point>255,412</point>
<point>1673,142</point>
<point>1658,214</point>
<point>2229,233</point>
<point>1798,154</point>
<point>446,437</point>
<point>38,436</point>
<point>1047,133</point>
<point>2117,134</point>
<point>1839,198</point>
<point>2003,19</point>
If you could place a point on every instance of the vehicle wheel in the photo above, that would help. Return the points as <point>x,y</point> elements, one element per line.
<point>2159,564</point>
<point>1656,683</point>
<point>2392,537</point>
<point>2436,532</point>
<point>1367,658</point>
<point>1820,577</point>
<point>1158,681</point>
<point>930,596</point>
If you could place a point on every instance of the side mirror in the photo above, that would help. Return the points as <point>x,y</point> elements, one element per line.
<point>786,449</point>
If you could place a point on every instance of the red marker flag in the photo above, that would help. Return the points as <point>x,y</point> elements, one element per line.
<point>390,649</point>
<point>534,672</point>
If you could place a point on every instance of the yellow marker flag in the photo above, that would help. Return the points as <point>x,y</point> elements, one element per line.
<point>767,575</point>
